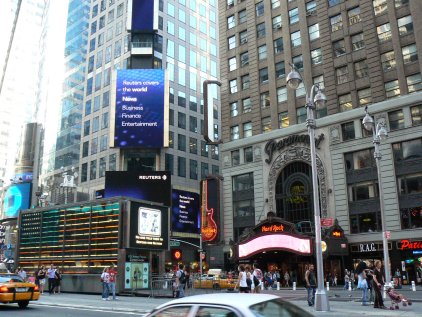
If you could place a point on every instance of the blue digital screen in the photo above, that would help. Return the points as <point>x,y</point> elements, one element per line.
<point>142,15</point>
<point>139,120</point>
<point>185,215</point>
<point>150,186</point>
<point>17,198</point>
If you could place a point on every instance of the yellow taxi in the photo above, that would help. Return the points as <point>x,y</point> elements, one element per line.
<point>215,282</point>
<point>13,289</point>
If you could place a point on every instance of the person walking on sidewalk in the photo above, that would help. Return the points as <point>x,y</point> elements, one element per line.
<point>361,270</point>
<point>256,278</point>
<point>41,274</point>
<point>113,274</point>
<point>311,282</point>
<point>181,280</point>
<point>57,281</point>
<point>378,284</point>
<point>51,273</point>
<point>105,280</point>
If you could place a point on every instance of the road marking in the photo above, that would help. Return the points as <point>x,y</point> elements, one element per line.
<point>91,309</point>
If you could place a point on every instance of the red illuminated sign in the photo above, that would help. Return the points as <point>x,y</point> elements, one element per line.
<point>208,225</point>
<point>272,228</point>
<point>408,245</point>
<point>337,234</point>
<point>275,241</point>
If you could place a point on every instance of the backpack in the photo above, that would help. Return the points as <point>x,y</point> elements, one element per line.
<point>182,278</point>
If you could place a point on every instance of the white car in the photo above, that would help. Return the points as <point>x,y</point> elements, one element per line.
<point>229,305</point>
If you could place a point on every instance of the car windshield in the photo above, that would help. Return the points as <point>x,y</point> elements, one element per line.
<point>278,308</point>
<point>10,278</point>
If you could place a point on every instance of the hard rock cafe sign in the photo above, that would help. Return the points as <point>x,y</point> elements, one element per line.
<point>273,145</point>
<point>272,228</point>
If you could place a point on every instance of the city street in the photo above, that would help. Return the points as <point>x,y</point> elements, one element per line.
<point>342,303</point>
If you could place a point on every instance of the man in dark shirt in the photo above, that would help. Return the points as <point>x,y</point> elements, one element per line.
<point>311,283</point>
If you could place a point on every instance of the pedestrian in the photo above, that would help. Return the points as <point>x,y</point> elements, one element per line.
<point>181,280</point>
<point>40,276</point>
<point>311,283</point>
<point>256,278</point>
<point>335,279</point>
<point>22,273</point>
<point>369,281</point>
<point>51,273</point>
<point>346,279</point>
<point>105,280</point>
<point>57,281</point>
<point>286,279</point>
<point>241,280</point>
<point>113,274</point>
<point>378,283</point>
<point>248,278</point>
<point>361,270</point>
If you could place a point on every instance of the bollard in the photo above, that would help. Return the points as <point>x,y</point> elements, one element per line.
<point>328,286</point>
<point>294,286</point>
<point>350,286</point>
<point>413,286</point>
<point>278,286</point>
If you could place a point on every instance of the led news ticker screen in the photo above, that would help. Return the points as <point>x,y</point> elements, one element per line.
<point>141,113</point>
<point>185,212</point>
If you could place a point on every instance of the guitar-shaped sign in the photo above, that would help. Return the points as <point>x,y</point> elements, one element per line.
<point>208,225</point>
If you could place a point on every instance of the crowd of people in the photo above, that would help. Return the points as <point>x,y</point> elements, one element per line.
<point>108,281</point>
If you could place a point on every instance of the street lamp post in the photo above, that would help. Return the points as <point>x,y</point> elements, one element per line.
<point>379,133</point>
<point>316,99</point>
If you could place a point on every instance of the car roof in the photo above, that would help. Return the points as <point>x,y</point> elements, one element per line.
<point>230,299</point>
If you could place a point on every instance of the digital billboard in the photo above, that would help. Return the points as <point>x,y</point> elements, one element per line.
<point>141,112</point>
<point>17,198</point>
<point>143,15</point>
<point>150,186</point>
<point>185,216</point>
<point>149,226</point>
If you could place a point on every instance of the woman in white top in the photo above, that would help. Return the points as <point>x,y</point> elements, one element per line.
<point>105,279</point>
<point>241,281</point>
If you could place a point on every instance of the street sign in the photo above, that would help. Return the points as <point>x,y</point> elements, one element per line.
<point>388,234</point>
<point>174,243</point>
<point>327,222</point>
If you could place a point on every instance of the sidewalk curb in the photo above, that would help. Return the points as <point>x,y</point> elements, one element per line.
<point>116,309</point>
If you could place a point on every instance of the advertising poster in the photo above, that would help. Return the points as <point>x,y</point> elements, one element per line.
<point>17,198</point>
<point>185,212</point>
<point>149,227</point>
<point>143,15</point>
<point>141,113</point>
<point>150,186</point>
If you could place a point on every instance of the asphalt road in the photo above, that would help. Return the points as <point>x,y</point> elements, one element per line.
<point>34,310</point>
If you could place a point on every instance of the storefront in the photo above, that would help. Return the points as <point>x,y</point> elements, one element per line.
<point>406,259</point>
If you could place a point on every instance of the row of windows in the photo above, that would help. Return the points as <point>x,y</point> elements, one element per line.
<point>193,167</point>
<point>102,168</point>
<point>94,145</point>
<point>106,56</point>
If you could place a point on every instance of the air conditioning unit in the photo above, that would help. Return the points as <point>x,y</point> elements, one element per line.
<point>278,26</point>
<point>230,4</point>
<point>309,13</point>
<point>244,40</point>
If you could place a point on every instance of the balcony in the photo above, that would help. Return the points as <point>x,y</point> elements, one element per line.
<point>141,48</point>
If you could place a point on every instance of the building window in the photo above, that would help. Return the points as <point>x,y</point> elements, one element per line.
<point>247,129</point>
<point>360,159</point>
<point>181,120</point>
<point>112,162</point>
<point>266,124</point>
<point>232,63</point>
<point>234,133</point>
<point>410,184</point>
<point>298,62</point>
<point>259,9</point>
<point>233,86</point>
<point>313,32</point>
<point>367,222</point>
<point>392,89</point>
<point>262,52</point>
<point>278,46</point>
<point>380,6</point>
<point>265,99</point>
<point>205,170</point>
<point>181,142</point>
<point>416,113</point>
<point>342,74</point>
<point>93,170</point>
<point>345,102</point>
<point>405,25</point>
<point>296,39</point>
<point>244,59</point>
<point>336,23</point>
<point>263,75</point>
<point>243,183</point>
<point>319,81</point>
<point>242,16</point>
<point>204,149</point>
<point>246,105</point>
<point>311,8</point>
<point>248,154</point>
<point>181,166</point>
<point>301,115</point>
<point>231,42</point>
<point>281,94</point>
<point>388,61</point>
<point>361,69</point>
<point>414,83</point>
<point>235,157</point>
<point>84,172</point>
<point>332,3</point>
<point>339,48</point>
<point>411,218</point>
<point>275,4</point>
<point>102,167</point>
<point>354,15</point>
<point>260,30</point>
<point>396,120</point>
<point>358,42</point>
<point>363,191</point>
<point>410,54</point>
<point>294,16</point>
<point>407,150</point>
<point>364,96</point>
<point>276,22</point>
<point>231,22</point>
<point>193,124</point>
<point>169,163</point>
<point>384,32</point>
<point>283,120</point>
<point>243,37</point>
<point>280,69</point>
<point>316,56</point>
<point>245,82</point>
<point>193,145</point>
<point>193,169</point>
<point>348,131</point>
